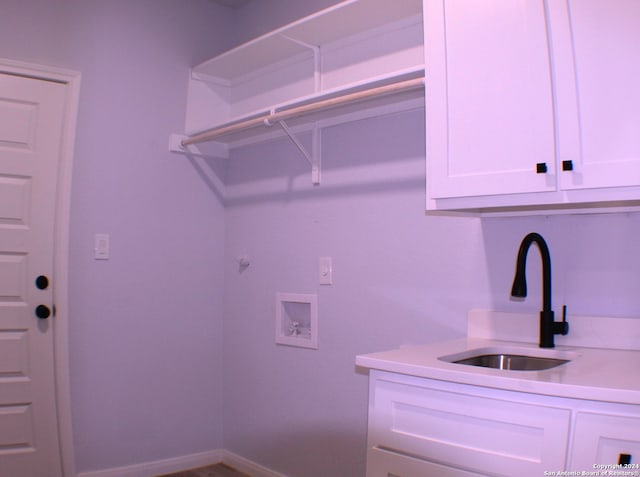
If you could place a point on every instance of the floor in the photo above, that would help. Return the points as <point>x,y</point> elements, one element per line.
<point>217,470</point>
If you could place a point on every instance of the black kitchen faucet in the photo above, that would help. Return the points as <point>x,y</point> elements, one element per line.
<point>548,326</point>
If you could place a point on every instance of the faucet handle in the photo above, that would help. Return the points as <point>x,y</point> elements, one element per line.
<point>562,328</point>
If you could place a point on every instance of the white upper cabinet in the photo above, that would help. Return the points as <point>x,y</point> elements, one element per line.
<point>606,59</point>
<point>532,103</point>
<point>489,101</point>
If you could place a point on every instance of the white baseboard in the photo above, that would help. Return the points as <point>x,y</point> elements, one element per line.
<point>247,466</point>
<point>175,464</point>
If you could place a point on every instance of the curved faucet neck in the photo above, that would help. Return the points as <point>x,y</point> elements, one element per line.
<point>546,265</point>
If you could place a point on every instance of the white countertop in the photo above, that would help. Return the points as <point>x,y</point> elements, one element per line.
<point>611,375</point>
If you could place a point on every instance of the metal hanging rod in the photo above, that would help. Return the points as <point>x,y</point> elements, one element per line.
<point>276,116</point>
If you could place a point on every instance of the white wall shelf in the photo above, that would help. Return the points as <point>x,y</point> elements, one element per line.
<point>352,50</point>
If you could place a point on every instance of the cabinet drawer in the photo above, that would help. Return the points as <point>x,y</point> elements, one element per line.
<point>468,431</point>
<point>383,463</point>
<point>600,439</point>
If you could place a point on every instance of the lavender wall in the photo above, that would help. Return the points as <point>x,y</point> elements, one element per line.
<point>145,326</point>
<point>595,262</point>
<point>399,277</point>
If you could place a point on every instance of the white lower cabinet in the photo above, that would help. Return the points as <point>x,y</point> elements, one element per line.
<point>421,427</point>
<point>463,430</point>
<point>605,439</point>
<point>384,463</point>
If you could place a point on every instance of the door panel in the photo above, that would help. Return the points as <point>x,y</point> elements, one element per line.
<point>490,115</point>
<point>605,36</point>
<point>31,116</point>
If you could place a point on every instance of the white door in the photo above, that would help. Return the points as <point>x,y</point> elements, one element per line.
<point>31,116</point>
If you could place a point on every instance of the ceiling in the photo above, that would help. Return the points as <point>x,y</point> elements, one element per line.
<point>232,3</point>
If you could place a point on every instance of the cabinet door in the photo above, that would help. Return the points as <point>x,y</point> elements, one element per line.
<point>382,463</point>
<point>601,439</point>
<point>467,431</point>
<point>604,99</point>
<point>490,114</point>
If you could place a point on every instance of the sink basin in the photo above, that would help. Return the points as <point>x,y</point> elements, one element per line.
<point>513,362</point>
<point>512,358</point>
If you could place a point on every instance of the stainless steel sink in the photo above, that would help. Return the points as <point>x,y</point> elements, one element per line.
<point>513,358</point>
<point>513,362</point>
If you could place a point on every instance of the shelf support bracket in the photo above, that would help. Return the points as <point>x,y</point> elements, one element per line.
<point>317,65</point>
<point>314,157</point>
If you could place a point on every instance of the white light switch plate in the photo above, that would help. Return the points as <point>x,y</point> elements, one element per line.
<point>101,247</point>
<point>326,271</point>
